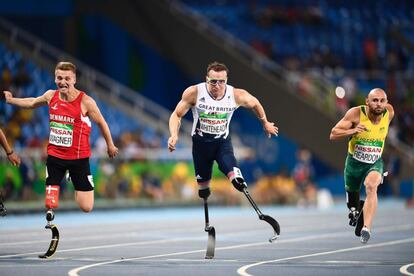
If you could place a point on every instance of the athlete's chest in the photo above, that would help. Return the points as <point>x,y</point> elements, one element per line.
<point>66,112</point>
<point>376,131</point>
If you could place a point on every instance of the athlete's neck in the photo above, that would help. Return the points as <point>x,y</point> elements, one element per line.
<point>217,95</point>
<point>68,95</point>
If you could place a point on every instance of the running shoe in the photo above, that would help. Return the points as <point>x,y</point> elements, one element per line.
<point>365,234</point>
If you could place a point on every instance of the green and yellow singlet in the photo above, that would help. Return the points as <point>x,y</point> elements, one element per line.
<point>367,146</point>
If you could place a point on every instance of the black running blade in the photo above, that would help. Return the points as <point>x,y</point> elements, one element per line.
<point>275,225</point>
<point>211,243</point>
<point>360,221</point>
<point>3,211</point>
<point>53,243</point>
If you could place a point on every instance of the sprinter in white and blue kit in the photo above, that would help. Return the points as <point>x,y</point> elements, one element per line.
<point>213,103</point>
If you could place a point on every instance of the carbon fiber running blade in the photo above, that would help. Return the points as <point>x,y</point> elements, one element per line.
<point>53,243</point>
<point>360,221</point>
<point>211,243</point>
<point>275,225</point>
<point>3,210</point>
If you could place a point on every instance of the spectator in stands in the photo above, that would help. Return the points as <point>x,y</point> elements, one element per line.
<point>392,164</point>
<point>151,186</point>
<point>6,78</point>
<point>262,46</point>
<point>70,112</point>
<point>303,173</point>
<point>180,184</point>
<point>280,188</point>
<point>28,174</point>
<point>371,54</point>
<point>21,78</point>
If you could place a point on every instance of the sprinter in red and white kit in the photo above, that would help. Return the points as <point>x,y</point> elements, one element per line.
<point>70,112</point>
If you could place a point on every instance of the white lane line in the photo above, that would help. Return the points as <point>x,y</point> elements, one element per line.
<point>199,260</point>
<point>146,233</point>
<point>404,269</point>
<point>137,233</point>
<point>104,236</point>
<point>107,246</point>
<point>382,229</point>
<point>74,272</point>
<point>94,237</point>
<point>349,262</point>
<point>243,270</point>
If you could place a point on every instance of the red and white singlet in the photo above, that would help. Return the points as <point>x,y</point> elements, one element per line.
<point>69,129</point>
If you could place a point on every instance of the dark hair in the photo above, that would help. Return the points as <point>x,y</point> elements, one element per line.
<point>218,67</point>
<point>66,66</point>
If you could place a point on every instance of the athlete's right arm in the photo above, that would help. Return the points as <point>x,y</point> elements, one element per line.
<point>29,102</point>
<point>348,125</point>
<point>188,99</point>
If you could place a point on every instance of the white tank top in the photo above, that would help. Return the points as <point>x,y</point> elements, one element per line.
<point>212,117</point>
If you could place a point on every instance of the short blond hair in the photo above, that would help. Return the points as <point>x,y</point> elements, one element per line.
<point>66,66</point>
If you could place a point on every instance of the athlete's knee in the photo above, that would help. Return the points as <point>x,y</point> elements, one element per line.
<point>52,196</point>
<point>85,200</point>
<point>86,208</point>
<point>204,189</point>
<point>372,181</point>
<point>237,179</point>
<point>371,187</point>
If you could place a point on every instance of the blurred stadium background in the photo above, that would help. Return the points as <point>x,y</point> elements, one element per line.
<point>136,57</point>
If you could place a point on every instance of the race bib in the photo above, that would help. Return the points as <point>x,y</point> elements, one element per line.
<point>61,134</point>
<point>213,123</point>
<point>368,153</point>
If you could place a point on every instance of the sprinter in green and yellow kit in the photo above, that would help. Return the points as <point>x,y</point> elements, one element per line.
<point>367,127</point>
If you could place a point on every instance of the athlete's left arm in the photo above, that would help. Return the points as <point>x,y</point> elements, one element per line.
<point>11,155</point>
<point>390,109</point>
<point>91,109</point>
<point>245,99</point>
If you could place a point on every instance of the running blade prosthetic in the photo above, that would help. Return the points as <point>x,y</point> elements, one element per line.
<point>55,236</point>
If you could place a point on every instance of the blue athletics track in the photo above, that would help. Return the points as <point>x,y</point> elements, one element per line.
<point>172,241</point>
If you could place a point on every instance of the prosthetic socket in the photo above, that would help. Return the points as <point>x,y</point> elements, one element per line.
<point>52,196</point>
<point>238,180</point>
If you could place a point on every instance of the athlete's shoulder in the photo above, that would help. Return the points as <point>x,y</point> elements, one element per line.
<point>357,109</point>
<point>48,95</point>
<point>87,100</point>
<point>239,91</point>
<point>390,110</point>
<point>353,113</point>
<point>190,94</point>
<point>240,94</point>
<point>191,89</point>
